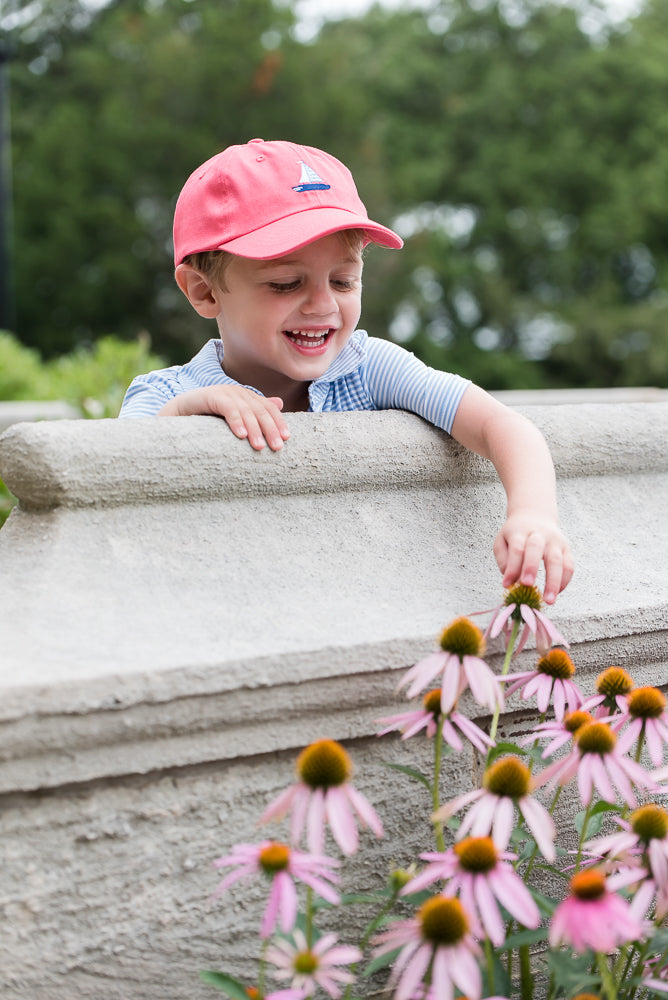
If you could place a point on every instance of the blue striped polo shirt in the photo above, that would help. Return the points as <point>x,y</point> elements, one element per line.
<point>368,374</point>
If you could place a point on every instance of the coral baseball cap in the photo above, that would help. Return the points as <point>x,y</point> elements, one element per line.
<point>265,199</point>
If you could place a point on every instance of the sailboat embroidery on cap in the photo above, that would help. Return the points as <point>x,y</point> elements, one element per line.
<point>310,180</point>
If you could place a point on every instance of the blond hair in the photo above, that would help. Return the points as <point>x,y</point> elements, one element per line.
<point>213,263</point>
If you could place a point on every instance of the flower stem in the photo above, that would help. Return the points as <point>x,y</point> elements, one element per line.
<point>534,853</point>
<point>366,937</point>
<point>438,753</point>
<point>504,670</point>
<point>309,916</point>
<point>262,971</point>
<point>489,956</point>
<point>583,834</point>
<point>607,982</point>
<point>526,978</point>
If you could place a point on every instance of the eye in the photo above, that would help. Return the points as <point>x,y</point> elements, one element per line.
<point>284,286</point>
<point>345,284</point>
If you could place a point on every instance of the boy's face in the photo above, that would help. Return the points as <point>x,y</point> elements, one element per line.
<point>284,320</point>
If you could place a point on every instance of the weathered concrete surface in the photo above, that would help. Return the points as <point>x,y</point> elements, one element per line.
<point>179,615</point>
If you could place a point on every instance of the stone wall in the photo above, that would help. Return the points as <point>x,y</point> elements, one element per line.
<point>180,615</point>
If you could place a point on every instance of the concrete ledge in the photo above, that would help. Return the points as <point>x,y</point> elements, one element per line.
<point>122,463</point>
<point>153,562</point>
<point>179,615</point>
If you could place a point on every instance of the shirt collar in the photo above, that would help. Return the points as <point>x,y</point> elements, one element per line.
<point>349,359</point>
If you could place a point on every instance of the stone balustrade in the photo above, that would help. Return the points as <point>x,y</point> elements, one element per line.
<point>180,615</point>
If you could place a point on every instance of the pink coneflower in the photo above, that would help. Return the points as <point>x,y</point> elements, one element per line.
<point>477,871</point>
<point>323,795</point>
<point>318,965</point>
<point>642,840</point>
<point>282,865</point>
<point>410,723</point>
<point>523,604</point>
<point>558,731</point>
<point>645,711</point>
<point>437,938</point>
<point>599,763</point>
<point>593,917</point>
<point>506,783</point>
<point>460,663</point>
<point>611,685</point>
<point>550,680</point>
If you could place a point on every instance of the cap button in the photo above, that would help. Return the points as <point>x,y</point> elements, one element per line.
<point>256,140</point>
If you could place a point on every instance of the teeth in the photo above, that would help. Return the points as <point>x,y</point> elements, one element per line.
<point>307,338</point>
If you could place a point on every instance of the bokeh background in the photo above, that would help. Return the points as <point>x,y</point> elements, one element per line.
<point>521,148</point>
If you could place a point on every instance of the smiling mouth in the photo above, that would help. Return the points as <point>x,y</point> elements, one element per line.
<point>308,338</point>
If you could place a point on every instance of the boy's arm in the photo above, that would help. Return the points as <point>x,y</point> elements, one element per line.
<point>520,455</point>
<point>248,414</point>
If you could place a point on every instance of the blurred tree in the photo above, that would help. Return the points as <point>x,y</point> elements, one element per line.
<point>111,115</point>
<point>523,157</point>
<point>530,160</point>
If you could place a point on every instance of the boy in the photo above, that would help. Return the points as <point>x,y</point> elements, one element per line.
<point>268,240</point>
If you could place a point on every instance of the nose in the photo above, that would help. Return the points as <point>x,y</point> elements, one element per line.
<point>319,299</point>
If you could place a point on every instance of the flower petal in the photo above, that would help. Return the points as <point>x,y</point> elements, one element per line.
<point>364,810</point>
<point>341,821</point>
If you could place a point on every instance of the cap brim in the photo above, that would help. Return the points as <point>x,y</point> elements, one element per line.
<point>295,231</point>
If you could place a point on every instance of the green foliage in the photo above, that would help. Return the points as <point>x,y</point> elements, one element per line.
<point>7,502</point>
<point>523,157</point>
<point>226,984</point>
<point>93,379</point>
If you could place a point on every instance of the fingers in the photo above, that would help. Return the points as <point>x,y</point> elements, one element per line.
<point>519,552</point>
<point>249,415</point>
<point>261,424</point>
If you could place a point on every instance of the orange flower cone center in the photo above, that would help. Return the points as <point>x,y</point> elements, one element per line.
<point>274,858</point>
<point>588,885</point>
<point>647,703</point>
<point>306,962</point>
<point>476,854</point>
<point>557,663</point>
<point>574,720</point>
<point>462,638</point>
<point>442,920</point>
<point>432,702</point>
<point>522,593</point>
<point>650,822</point>
<point>509,777</point>
<point>324,764</point>
<point>596,737</point>
<point>613,681</point>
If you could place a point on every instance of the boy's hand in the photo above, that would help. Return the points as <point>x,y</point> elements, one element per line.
<point>248,415</point>
<point>526,540</point>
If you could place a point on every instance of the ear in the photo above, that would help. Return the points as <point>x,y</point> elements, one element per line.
<point>199,291</point>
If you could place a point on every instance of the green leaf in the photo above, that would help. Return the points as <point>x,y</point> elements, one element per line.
<point>595,821</point>
<point>412,773</point>
<point>546,905</point>
<point>523,937</point>
<point>571,972</point>
<point>380,962</point>
<point>227,984</point>
<point>500,984</point>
